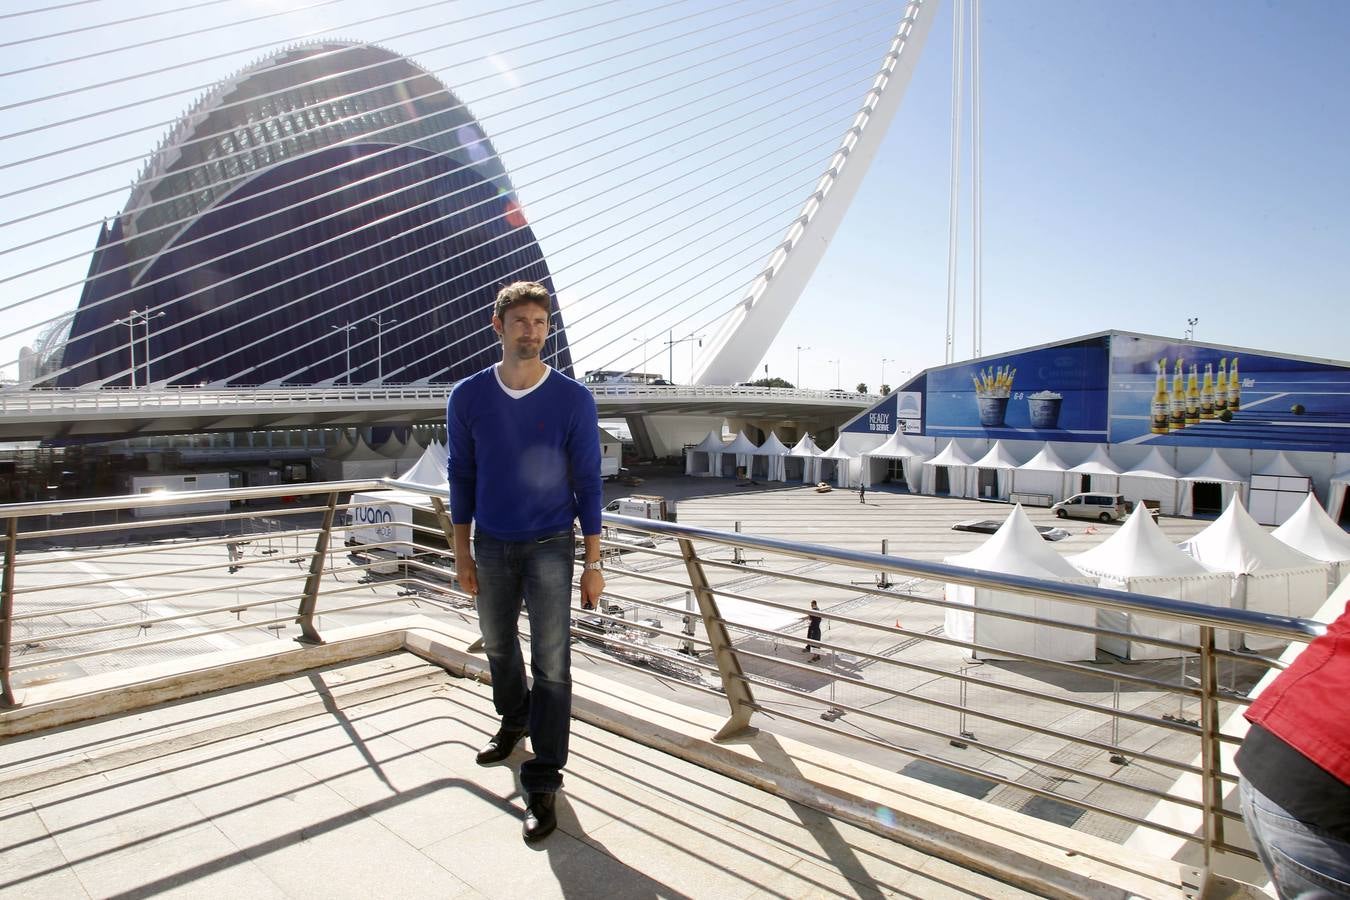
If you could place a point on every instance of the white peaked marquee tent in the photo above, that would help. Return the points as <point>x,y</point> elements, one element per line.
<point>1018,549</point>
<point>896,447</point>
<point>1002,461</point>
<point>1099,465</point>
<point>1044,473</point>
<point>1311,532</point>
<point>743,451</point>
<point>393,448</point>
<point>1268,575</point>
<point>1336,502</point>
<point>773,450</point>
<point>699,460</point>
<point>1215,471</point>
<point>837,465</point>
<point>807,451</point>
<point>1139,558</point>
<point>1152,479</point>
<point>386,517</point>
<point>429,470</point>
<point>358,462</point>
<point>957,464</point>
<point>1277,489</point>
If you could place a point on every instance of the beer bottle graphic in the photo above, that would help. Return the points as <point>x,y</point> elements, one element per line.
<point>1234,387</point>
<point>1221,388</point>
<point>1161,408</point>
<point>1207,393</point>
<point>1177,420</point>
<point>1192,400</point>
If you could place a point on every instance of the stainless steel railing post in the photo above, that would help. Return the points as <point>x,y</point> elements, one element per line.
<point>1212,787</point>
<point>7,698</point>
<point>734,685</point>
<point>310,599</point>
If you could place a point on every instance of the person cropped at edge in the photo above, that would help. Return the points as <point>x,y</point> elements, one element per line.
<point>1295,765</point>
<point>524,463</point>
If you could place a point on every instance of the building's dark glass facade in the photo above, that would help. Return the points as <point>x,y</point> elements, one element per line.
<point>324,188</point>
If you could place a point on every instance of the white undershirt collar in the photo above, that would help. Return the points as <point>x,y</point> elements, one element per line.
<point>512,392</point>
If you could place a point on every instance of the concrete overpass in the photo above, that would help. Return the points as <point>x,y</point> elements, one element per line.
<point>662,418</point>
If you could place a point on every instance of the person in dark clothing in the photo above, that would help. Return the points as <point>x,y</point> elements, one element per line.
<point>862,492</point>
<point>812,632</point>
<point>1295,765</point>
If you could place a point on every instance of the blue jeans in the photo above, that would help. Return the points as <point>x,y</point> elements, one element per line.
<point>1303,861</point>
<point>539,574</point>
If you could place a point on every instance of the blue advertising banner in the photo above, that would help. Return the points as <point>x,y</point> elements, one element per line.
<point>1184,394</point>
<point>1053,393</point>
<point>901,411</point>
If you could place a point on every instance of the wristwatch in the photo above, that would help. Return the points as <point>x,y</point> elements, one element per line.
<point>594,566</point>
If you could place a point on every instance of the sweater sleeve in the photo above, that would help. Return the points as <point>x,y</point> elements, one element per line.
<point>462,468</point>
<point>583,457</point>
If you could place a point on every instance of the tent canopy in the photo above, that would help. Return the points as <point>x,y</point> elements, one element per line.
<point>1017,548</point>
<point>998,457</point>
<point>741,445</point>
<point>896,447</point>
<point>1234,542</point>
<point>1152,466</point>
<point>1311,531</point>
<point>1098,463</point>
<point>428,471</point>
<point>951,455</point>
<point>1046,460</point>
<point>772,446</point>
<point>1139,549</point>
<point>804,447</point>
<point>837,451</point>
<point>1214,469</point>
<point>711,444</point>
<point>1280,466</point>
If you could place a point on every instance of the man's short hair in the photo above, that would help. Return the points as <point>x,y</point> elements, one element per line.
<point>519,292</point>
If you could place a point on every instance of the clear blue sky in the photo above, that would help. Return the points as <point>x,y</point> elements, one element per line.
<point>1143,163</point>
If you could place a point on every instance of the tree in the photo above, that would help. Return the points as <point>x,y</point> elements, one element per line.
<point>862,387</point>
<point>774,382</point>
<point>885,389</point>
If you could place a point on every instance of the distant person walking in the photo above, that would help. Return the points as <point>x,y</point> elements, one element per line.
<point>1295,765</point>
<point>524,464</point>
<point>862,492</point>
<point>812,632</point>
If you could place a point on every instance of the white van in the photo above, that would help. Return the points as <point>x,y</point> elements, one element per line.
<point>640,506</point>
<point>1106,507</point>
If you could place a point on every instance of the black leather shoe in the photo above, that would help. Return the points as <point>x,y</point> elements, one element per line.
<point>500,746</point>
<point>540,819</point>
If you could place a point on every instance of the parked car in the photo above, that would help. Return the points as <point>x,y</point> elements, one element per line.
<point>1106,507</point>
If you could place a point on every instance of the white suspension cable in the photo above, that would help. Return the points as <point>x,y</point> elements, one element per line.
<point>977,188</point>
<point>954,198</point>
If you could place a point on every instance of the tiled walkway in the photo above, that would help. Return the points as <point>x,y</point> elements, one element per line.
<point>367,788</point>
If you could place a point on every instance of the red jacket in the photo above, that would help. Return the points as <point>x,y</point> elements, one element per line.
<point>1308,705</point>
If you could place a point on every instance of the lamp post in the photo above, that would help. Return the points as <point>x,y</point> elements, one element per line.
<point>349,328</point>
<point>1190,328</point>
<point>670,351</point>
<point>642,371</point>
<point>130,322</point>
<point>883,372</point>
<point>379,351</point>
<point>146,317</point>
<point>836,373</point>
<point>800,348</point>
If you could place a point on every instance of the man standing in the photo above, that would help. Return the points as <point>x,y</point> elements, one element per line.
<point>524,463</point>
<point>812,630</point>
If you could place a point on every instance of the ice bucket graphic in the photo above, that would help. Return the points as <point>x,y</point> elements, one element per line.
<point>1044,409</point>
<point>992,411</point>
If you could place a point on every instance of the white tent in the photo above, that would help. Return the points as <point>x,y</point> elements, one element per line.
<point>392,448</point>
<point>839,458</point>
<point>429,471</point>
<point>1310,531</point>
<point>1140,558</point>
<point>1003,463</point>
<point>957,464</point>
<point>774,450</point>
<point>1099,465</point>
<point>359,462</point>
<point>1018,549</point>
<point>699,460</point>
<point>896,447</point>
<point>1044,474</point>
<point>1214,471</point>
<point>807,451</point>
<point>743,450</point>
<point>1152,479</point>
<point>412,450</point>
<point>1268,575</point>
<point>1277,489</point>
<point>1336,502</point>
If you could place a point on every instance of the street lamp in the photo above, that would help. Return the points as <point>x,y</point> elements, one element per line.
<point>1190,328</point>
<point>670,352</point>
<point>800,348</point>
<point>642,370</point>
<point>379,353</point>
<point>130,322</point>
<point>836,373</point>
<point>146,317</point>
<point>349,328</point>
<point>883,372</point>
<point>134,318</point>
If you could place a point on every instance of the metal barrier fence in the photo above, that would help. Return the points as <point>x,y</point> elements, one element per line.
<point>1069,740</point>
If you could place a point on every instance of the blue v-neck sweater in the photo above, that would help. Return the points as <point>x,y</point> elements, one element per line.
<point>523,467</point>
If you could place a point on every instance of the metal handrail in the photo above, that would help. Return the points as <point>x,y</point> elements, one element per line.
<point>718,651</point>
